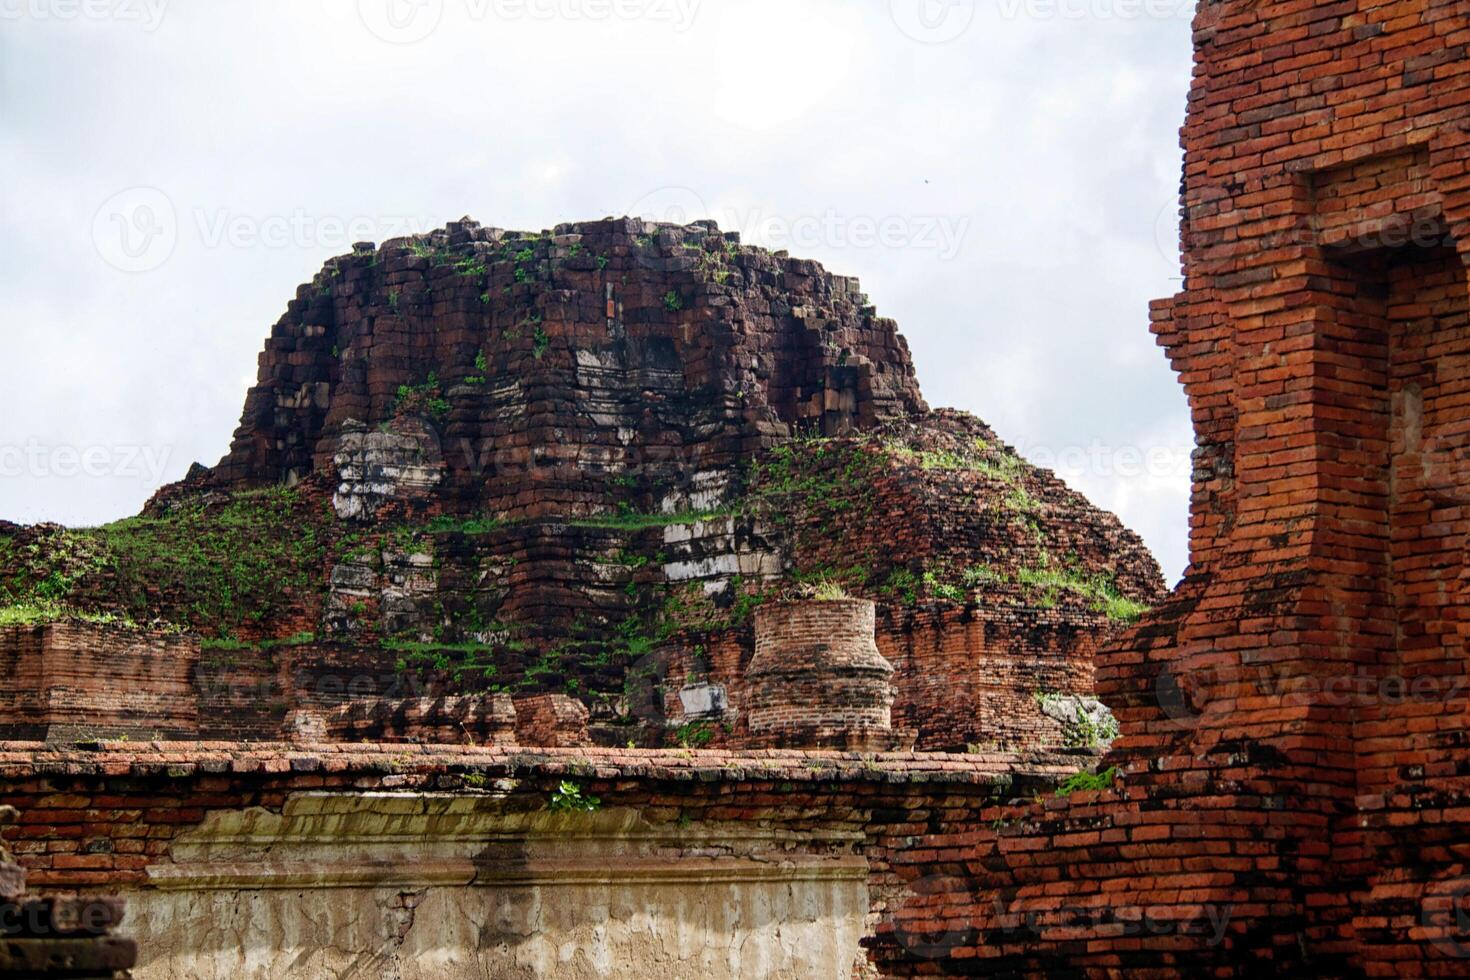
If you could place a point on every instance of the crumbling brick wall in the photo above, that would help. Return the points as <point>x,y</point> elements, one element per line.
<point>1294,749</point>
<point>486,720</point>
<point>965,677</point>
<point>583,322</point>
<point>66,938</point>
<point>552,720</point>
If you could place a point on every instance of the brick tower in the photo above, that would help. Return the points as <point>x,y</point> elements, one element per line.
<point>1295,758</point>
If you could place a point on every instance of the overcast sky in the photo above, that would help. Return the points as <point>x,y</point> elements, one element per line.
<point>1001,174</point>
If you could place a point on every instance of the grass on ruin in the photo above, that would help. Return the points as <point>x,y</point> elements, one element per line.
<point>627,519</point>
<point>997,463</point>
<point>1100,591</point>
<point>1043,585</point>
<point>40,613</point>
<point>216,569</point>
<point>472,526</point>
<point>471,666</point>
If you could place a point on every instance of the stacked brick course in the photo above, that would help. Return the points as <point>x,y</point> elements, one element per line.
<point>552,720</point>
<point>72,680</point>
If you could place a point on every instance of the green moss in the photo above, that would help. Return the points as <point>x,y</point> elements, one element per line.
<point>941,589</point>
<point>944,461</point>
<point>814,482</point>
<point>446,523</point>
<point>1003,466</point>
<point>903,585</point>
<point>229,643</point>
<point>471,666</point>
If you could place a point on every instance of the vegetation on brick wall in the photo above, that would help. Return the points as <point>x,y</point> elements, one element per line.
<point>219,569</point>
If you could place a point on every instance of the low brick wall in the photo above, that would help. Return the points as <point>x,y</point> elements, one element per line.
<point>668,864</point>
<point>75,680</point>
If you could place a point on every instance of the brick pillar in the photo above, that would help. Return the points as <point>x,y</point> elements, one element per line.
<point>817,678</point>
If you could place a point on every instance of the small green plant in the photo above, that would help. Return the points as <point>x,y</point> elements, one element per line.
<point>673,302</point>
<point>542,343</point>
<point>943,590</point>
<point>482,366</point>
<point>426,398</point>
<point>569,798</point>
<point>602,263</point>
<point>904,584</point>
<point>393,300</point>
<point>1087,782</point>
<point>694,736</point>
<point>938,460</point>
<point>826,589</point>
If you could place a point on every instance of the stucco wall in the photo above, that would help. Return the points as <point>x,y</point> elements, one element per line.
<point>437,885</point>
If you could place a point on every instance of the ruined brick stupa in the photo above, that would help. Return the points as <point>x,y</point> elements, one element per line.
<point>576,462</point>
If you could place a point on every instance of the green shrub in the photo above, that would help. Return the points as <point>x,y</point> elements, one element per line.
<point>569,798</point>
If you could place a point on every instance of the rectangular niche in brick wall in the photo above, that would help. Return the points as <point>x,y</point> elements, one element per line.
<point>1403,349</point>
